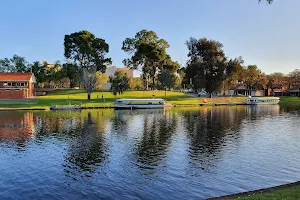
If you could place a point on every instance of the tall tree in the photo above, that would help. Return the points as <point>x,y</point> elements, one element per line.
<point>275,80</point>
<point>19,63</point>
<point>39,72</point>
<point>207,66</point>
<point>5,65</point>
<point>89,80</point>
<point>88,52</point>
<point>119,83</point>
<point>252,78</point>
<point>236,73</point>
<point>148,53</point>
<point>136,83</point>
<point>166,78</point>
<point>15,64</point>
<point>73,73</point>
<point>294,77</point>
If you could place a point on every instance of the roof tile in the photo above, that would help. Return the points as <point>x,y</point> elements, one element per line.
<point>15,76</point>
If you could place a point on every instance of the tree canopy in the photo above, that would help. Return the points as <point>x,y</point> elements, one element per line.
<point>88,52</point>
<point>148,53</point>
<point>14,64</point>
<point>119,83</point>
<point>85,50</point>
<point>207,66</point>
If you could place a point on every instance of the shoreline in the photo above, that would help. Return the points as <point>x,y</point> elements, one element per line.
<point>111,106</point>
<point>257,192</point>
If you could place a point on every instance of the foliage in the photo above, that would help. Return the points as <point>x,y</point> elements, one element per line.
<point>72,72</point>
<point>119,83</point>
<point>148,53</point>
<point>86,51</point>
<point>294,76</point>
<point>207,66</point>
<point>136,83</point>
<point>252,77</point>
<point>15,64</point>
<point>236,74</point>
<point>100,79</point>
<point>275,80</point>
<point>166,78</point>
<point>38,71</point>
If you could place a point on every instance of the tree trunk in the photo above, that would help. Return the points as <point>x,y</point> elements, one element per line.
<point>165,92</point>
<point>89,96</point>
<point>153,82</point>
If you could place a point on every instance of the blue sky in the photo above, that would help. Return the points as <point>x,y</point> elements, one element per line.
<point>264,35</point>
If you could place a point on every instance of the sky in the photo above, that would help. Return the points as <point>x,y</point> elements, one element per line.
<point>265,35</point>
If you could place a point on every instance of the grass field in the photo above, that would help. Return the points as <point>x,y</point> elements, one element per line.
<point>66,97</point>
<point>289,193</point>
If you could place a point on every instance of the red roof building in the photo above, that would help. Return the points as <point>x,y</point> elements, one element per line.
<point>16,85</point>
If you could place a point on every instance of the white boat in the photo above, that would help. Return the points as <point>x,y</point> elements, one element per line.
<point>69,107</point>
<point>139,103</point>
<point>262,100</point>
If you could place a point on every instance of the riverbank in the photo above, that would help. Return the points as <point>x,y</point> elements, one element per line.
<point>286,191</point>
<point>105,99</point>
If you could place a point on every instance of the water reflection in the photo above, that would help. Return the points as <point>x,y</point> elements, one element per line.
<point>158,130</point>
<point>173,153</point>
<point>16,127</point>
<point>209,130</point>
<point>255,111</point>
<point>87,149</point>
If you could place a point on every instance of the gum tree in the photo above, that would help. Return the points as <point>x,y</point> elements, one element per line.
<point>89,53</point>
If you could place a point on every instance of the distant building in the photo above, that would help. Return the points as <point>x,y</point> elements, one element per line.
<point>110,71</point>
<point>295,89</point>
<point>127,71</point>
<point>16,85</point>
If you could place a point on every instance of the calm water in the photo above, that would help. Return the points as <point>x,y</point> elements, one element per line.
<point>192,153</point>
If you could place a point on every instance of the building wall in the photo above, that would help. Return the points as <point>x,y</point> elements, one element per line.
<point>110,71</point>
<point>106,86</point>
<point>16,92</point>
<point>127,71</point>
<point>12,94</point>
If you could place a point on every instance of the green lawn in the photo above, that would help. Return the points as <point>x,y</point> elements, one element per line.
<point>68,96</point>
<point>289,193</point>
<point>65,97</point>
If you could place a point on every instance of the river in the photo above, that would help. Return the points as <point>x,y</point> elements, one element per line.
<point>179,153</point>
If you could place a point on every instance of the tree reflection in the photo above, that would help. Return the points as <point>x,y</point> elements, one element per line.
<point>209,130</point>
<point>156,139</point>
<point>86,150</point>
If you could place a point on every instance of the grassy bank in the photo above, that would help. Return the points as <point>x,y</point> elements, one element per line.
<point>66,97</point>
<point>288,192</point>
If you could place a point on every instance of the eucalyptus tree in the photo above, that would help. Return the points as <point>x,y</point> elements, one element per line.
<point>254,78</point>
<point>14,64</point>
<point>147,52</point>
<point>207,66</point>
<point>89,53</point>
<point>119,83</point>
